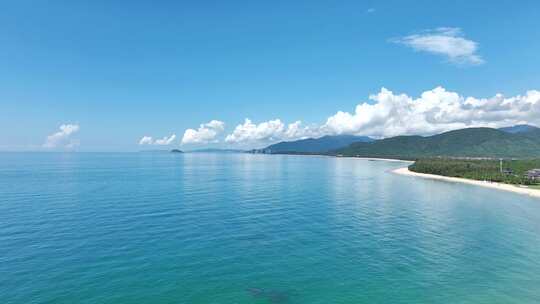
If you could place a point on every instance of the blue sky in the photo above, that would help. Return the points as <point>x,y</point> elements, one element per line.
<point>112,72</point>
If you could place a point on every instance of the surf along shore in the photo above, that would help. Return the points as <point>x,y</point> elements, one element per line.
<point>487,184</point>
<point>493,185</point>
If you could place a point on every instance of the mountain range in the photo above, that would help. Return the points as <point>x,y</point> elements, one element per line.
<point>520,141</point>
<point>512,142</point>
<point>314,145</point>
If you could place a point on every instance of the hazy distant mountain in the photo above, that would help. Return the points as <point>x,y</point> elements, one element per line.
<point>472,142</point>
<point>520,129</point>
<point>314,145</point>
<point>524,130</point>
<point>177,151</point>
<point>213,150</point>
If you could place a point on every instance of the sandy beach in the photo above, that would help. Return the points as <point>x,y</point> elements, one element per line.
<point>382,159</point>
<point>498,186</point>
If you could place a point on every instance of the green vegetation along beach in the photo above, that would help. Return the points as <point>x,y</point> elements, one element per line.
<point>509,175</point>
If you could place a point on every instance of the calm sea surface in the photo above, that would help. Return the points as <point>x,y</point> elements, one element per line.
<point>235,228</point>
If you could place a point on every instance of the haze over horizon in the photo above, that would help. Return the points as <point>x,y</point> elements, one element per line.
<point>135,76</point>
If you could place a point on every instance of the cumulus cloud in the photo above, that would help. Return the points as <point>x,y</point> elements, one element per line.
<point>148,140</point>
<point>269,131</point>
<point>206,133</point>
<point>63,138</point>
<point>386,114</point>
<point>435,111</point>
<point>165,140</point>
<point>445,41</point>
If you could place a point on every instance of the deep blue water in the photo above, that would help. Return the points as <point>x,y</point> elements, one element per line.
<point>240,228</point>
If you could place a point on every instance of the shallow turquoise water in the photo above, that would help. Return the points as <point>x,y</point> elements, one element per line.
<point>210,228</point>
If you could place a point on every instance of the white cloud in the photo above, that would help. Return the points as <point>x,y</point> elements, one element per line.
<point>250,132</point>
<point>269,131</point>
<point>148,140</point>
<point>165,140</point>
<point>206,133</point>
<point>445,41</point>
<point>62,138</point>
<point>435,111</point>
<point>385,115</point>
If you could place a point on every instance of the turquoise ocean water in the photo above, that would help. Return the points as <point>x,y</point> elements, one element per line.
<point>235,228</point>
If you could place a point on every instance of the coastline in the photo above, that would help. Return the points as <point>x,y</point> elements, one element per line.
<point>405,171</point>
<point>492,185</point>
<point>335,156</point>
<point>380,159</point>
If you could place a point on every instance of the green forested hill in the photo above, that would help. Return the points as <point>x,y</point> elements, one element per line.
<point>472,142</point>
<point>315,145</point>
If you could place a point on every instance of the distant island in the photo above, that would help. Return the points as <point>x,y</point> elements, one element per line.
<point>176,151</point>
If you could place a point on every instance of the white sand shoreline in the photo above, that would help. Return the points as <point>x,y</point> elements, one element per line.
<point>405,171</point>
<point>381,159</point>
<point>499,186</point>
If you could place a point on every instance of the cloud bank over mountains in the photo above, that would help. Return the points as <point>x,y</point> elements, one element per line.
<point>385,114</point>
<point>435,111</point>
